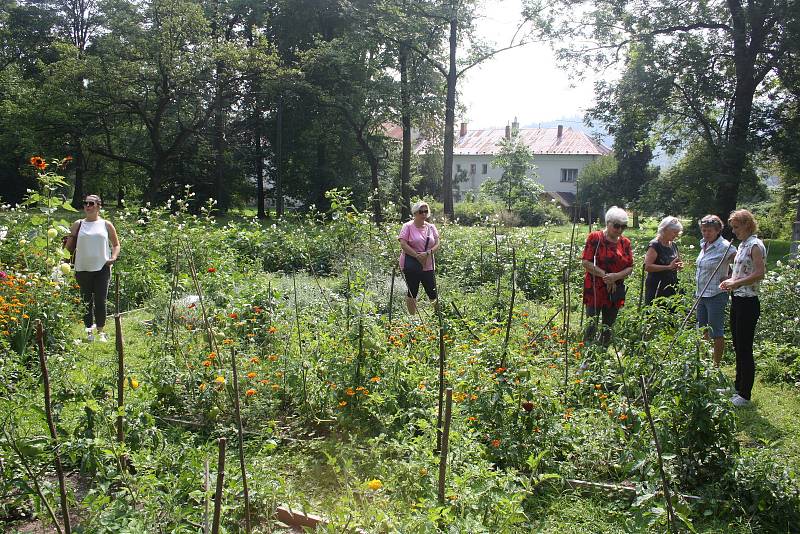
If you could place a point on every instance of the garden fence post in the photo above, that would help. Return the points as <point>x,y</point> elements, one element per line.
<point>220,483</point>
<point>48,407</point>
<point>445,444</point>
<point>442,363</point>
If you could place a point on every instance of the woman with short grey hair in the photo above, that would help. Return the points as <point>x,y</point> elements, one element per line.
<point>662,261</point>
<point>607,259</point>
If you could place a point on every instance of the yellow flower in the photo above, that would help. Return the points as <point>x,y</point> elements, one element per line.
<point>375,484</point>
<point>134,383</point>
<point>220,380</point>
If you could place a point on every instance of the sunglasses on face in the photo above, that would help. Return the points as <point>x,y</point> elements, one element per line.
<point>422,211</point>
<point>88,203</point>
<point>618,226</point>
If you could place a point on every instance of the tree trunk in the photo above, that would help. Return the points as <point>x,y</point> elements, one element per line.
<point>221,189</point>
<point>372,159</point>
<point>279,159</point>
<point>405,159</point>
<point>262,214</point>
<point>77,193</point>
<point>449,122</point>
<point>120,185</point>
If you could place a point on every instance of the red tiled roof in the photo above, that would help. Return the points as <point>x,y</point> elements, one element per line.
<point>539,140</point>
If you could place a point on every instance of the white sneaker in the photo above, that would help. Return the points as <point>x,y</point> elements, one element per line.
<point>739,401</point>
<point>724,391</point>
<point>103,337</point>
<point>89,335</point>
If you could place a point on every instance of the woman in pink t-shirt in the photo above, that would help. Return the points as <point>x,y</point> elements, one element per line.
<point>419,239</point>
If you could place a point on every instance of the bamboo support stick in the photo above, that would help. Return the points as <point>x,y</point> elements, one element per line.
<point>48,407</point>
<point>119,342</point>
<point>206,486</point>
<point>241,440</point>
<point>445,445</point>
<point>391,295</point>
<point>510,306</point>
<point>664,481</point>
<point>220,486</point>
<point>442,363</point>
<point>463,321</point>
<point>33,478</point>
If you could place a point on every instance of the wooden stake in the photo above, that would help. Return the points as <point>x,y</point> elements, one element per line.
<point>664,482</point>
<point>120,382</point>
<point>48,408</point>
<point>220,484</point>
<point>445,445</point>
<point>442,362</point>
<point>510,306</point>
<point>241,441</point>
<point>391,294</point>
<point>206,486</point>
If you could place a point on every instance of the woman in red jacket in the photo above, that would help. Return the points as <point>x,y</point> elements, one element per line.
<point>608,260</point>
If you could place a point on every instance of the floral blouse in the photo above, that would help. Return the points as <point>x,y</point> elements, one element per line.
<point>612,258</point>
<point>743,265</point>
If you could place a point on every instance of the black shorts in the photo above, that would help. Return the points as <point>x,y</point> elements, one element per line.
<point>428,282</point>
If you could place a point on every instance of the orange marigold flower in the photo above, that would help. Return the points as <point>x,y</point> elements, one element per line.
<point>375,379</point>
<point>211,270</point>
<point>206,363</point>
<point>273,357</point>
<point>499,370</point>
<point>272,330</point>
<point>263,381</point>
<point>250,392</point>
<point>623,417</point>
<point>233,315</point>
<point>350,392</point>
<point>342,404</point>
<point>227,341</point>
<point>202,387</point>
<point>212,355</point>
<point>254,359</point>
<point>495,443</point>
<point>251,374</point>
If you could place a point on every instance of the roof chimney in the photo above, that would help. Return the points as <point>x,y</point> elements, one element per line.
<point>508,131</point>
<point>463,131</point>
<point>560,130</point>
<point>515,127</point>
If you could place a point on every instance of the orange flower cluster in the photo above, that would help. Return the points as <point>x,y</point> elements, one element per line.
<point>39,163</point>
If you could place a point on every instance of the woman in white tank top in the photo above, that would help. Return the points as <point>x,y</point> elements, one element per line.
<point>96,249</point>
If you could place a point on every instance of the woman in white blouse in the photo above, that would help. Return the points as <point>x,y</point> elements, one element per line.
<point>97,247</point>
<point>748,270</point>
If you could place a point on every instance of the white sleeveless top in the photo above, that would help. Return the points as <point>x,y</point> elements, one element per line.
<point>93,250</point>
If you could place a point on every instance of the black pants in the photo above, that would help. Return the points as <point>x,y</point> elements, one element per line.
<point>608,315</point>
<point>94,292</point>
<point>744,316</point>
<point>413,280</point>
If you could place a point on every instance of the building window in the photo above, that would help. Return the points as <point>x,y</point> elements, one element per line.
<point>473,168</point>
<point>485,168</point>
<point>569,175</point>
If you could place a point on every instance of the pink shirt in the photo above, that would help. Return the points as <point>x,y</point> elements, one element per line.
<point>415,237</point>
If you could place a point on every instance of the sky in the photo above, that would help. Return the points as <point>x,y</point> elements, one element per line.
<point>524,82</point>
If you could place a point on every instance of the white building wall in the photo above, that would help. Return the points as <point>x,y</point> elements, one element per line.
<point>547,172</point>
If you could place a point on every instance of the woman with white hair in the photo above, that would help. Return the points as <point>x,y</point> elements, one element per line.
<point>662,261</point>
<point>608,260</point>
<point>419,239</point>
